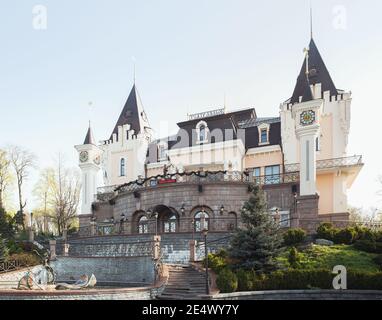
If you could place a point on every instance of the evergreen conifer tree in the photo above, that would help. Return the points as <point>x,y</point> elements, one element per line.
<point>256,246</point>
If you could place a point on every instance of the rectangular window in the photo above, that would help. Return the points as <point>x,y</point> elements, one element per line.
<point>256,175</point>
<point>307,161</point>
<point>162,152</point>
<point>264,136</point>
<point>272,175</point>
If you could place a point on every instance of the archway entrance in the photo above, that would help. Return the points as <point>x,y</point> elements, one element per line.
<point>168,219</point>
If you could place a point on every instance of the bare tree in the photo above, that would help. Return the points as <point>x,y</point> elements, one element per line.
<point>22,162</point>
<point>66,195</point>
<point>5,175</point>
<point>43,192</point>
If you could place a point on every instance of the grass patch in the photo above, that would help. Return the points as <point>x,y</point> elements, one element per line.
<point>323,257</point>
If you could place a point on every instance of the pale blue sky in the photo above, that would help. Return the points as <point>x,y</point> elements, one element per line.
<point>188,54</point>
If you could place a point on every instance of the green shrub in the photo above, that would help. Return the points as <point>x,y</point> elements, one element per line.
<point>215,262</point>
<point>227,281</point>
<point>364,280</point>
<point>295,279</point>
<point>28,259</point>
<point>365,245</point>
<point>326,231</point>
<point>316,279</point>
<point>294,257</point>
<point>378,236</point>
<point>345,236</point>
<point>294,236</point>
<point>14,247</point>
<point>363,233</point>
<point>378,260</point>
<point>368,246</point>
<point>245,280</point>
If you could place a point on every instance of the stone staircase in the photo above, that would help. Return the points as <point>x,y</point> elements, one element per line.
<point>184,283</point>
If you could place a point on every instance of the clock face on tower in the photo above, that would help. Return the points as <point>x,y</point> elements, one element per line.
<point>84,156</point>
<point>307,117</point>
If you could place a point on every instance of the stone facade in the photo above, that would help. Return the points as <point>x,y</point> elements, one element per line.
<point>108,270</point>
<point>222,201</point>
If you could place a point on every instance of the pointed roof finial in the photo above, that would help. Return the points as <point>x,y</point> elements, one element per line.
<point>311,21</point>
<point>135,67</point>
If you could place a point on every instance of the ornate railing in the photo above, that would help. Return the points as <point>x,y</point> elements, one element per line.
<point>199,177</point>
<point>6,266</point>
<point>329,163</point>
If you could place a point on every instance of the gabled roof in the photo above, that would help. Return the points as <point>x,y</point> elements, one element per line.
<point>89,139</point>
<point>132,114</point>
<point>318,73</point>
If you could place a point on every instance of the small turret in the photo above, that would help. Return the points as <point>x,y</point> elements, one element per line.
<point>89,163</point>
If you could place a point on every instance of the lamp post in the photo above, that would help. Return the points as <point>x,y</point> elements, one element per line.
<point>205,232</point>
<point>156,223</point>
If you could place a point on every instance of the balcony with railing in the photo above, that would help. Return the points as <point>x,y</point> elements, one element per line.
<point>330,164</point>
<point>198,177</point>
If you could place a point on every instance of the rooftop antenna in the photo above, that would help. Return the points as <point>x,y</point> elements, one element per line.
<point>225,100</point>
<point>311,21</point>
<point>90,104</point>
<point>134,67</point>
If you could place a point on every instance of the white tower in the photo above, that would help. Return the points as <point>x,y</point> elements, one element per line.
<point>89,163</point>
<point>306,117</point>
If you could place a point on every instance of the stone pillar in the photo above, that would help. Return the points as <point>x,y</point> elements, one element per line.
<point>66,249</point>
<point>156,247</point>
<point>192,250</point>
<point>93,228</point>
<point>52,245</point>
<point>65,234</point>
<point>31,235</point>
<point>307,211</point>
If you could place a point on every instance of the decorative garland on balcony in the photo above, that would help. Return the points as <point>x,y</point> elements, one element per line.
<point>141,182</point>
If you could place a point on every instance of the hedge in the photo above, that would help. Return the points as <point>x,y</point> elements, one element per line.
<point>299,280</point>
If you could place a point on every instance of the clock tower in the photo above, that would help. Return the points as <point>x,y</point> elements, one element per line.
<point>307,128</point>
<point>89,163</point>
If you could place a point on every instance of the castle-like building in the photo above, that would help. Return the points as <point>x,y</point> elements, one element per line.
<point>203,173</point>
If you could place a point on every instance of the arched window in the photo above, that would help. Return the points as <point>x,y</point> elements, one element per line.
<point>122,167</point>
<point>201,221</point>
<point>202,133</point>
<point>143,226</point>
<point>170,224</point>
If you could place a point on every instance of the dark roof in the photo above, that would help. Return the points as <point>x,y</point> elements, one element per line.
<point>255,122</point>
<point>226,122</point>
<point>318,73</point>
<point>252,135</point>
<point>132,114</point>
<point>89,139</point>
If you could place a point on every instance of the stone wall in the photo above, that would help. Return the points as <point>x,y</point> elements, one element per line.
<point>175,247</point>
<point>108,270</point>
<point>212,196</point>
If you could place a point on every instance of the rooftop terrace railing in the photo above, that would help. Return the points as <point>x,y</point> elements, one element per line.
<point>199,177</point>
<point>329,163</point>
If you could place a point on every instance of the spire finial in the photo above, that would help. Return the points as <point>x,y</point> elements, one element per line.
<point>135,67</point>
<point>90,103</point>
<point>311,21</point>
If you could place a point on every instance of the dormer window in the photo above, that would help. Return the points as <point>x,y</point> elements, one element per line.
<point>202,132</point>
<point>263,134</point>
